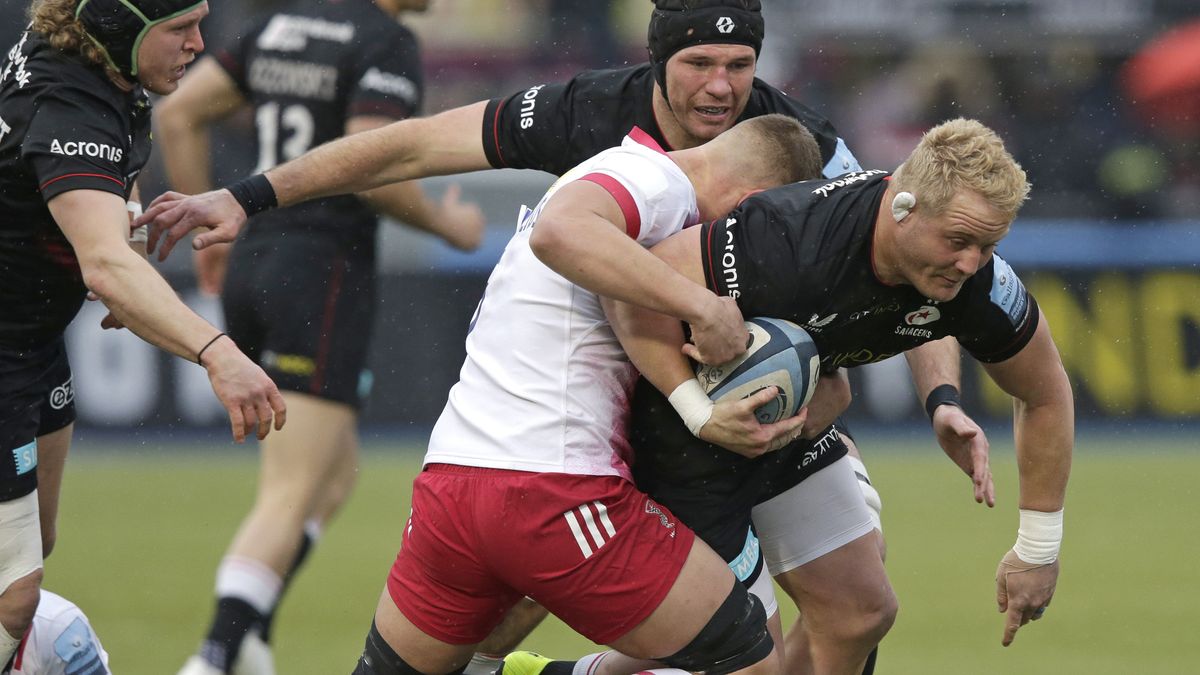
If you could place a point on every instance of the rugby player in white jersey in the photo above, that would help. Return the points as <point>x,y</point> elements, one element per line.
<point>526,488</point>
<point>60,641</point>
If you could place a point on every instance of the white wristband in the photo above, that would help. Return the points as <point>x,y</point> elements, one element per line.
<point>692,404</point>
<point>1039,537</point>
<point>138,235</point>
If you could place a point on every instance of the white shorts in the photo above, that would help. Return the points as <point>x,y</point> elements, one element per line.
<point>823,513</point>
<point>764,588</point>
<point>20,539</point>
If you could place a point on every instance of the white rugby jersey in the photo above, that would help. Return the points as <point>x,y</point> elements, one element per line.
<point>545,385</point>
<point>60,642</point>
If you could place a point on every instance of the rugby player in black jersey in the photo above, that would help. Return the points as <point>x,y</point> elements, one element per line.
<point>74,134</point>
<point>704,65</point>
<point>299,296</point>
<point>873,265</point>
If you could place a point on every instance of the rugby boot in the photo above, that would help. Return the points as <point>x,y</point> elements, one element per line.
<point>523,663</point>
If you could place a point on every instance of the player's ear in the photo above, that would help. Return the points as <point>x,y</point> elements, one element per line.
<point>903,204</point>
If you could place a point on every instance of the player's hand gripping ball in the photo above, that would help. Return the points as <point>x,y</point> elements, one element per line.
<point>781,354</point>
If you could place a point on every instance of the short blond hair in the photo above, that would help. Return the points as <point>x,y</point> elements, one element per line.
<point>963,154</point>
<point>55,19</point>
<point>773,150</point>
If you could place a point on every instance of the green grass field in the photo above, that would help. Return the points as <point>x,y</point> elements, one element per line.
<point>141,531</point>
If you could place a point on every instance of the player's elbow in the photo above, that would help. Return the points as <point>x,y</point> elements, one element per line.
<point>551,240</point>
<point>100,272</point>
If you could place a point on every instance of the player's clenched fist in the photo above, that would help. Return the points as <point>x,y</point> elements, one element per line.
<point>245,391</point>
<point>721,336</point>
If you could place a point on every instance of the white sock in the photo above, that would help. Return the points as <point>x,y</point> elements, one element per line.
<point>482,664</point>
<point>250,580</point>
<point>8,646</point>
<point>589,664</point>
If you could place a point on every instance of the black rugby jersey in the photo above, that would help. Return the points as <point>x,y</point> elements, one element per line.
<point>63,126</point>
<point>802,252</point>
<point>308,68</point>
<point>554,127</point>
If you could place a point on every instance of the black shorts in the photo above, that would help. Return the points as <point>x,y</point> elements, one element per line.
<point>712,490</point>
<point>303,309</point>
<point>36,398</point>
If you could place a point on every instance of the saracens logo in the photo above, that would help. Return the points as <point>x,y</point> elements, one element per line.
<point>927,314</point>
<point>724,25</point>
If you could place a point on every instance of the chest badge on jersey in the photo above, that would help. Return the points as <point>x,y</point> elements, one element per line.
<point>927,314</point>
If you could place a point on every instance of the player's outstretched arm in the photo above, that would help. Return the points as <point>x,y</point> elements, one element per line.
<point>447,143</point>
<point>1044,431</point>
<point>580,234</point>
<point>458,223</point>
<point>96,224</point>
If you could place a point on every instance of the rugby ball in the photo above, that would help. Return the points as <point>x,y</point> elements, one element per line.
<point>781,354</point>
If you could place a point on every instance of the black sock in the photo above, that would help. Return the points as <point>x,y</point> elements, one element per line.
<point>234,618</point>
<point>869,668</point>
<point>306,545</point>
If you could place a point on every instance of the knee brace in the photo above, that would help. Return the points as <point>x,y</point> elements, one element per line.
<point>735,637</point>
<point>378,658</point>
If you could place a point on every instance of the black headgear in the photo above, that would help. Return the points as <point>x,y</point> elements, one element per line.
<point>118,26</point>
<point>678,24</point>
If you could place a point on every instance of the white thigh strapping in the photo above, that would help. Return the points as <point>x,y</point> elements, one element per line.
<point>823,513</point>
<point>764,588</point>
<point>20,539</point>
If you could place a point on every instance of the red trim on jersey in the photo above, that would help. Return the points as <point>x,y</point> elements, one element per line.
<point>496,131</point>
<point>633,219</point>
<point>642,138</point>
<point>21,648</point>
<point>709,271</point>
<point>335,287</point>
<point>84,175</point>
<point>871,249</point>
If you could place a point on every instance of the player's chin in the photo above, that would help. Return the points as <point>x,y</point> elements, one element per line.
<point>161,85</point>
<point>941,289</point>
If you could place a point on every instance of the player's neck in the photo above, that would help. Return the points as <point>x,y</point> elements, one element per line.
<point>883,249</point>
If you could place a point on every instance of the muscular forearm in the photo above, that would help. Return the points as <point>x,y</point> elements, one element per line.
<point>447,143</point>
<point>652,341</point>
<point>1044,436</point>
<point>934,364</point>
<point>141,299</point>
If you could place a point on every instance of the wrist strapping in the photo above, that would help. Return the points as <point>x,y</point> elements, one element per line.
<point>139,234</point>
<point>943,394</point>
<point>255,194</point>
<point>1039,537</point>
<point>692,404</point>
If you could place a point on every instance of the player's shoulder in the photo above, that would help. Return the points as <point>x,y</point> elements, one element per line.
<point>626,83</point>
<point>639,162</point>
<point>38,68</point>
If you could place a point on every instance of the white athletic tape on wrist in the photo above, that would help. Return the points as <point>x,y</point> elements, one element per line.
<point>139,234</point>
<point>692,404</point>
<point>1039,537</point>
<point>870,494</point>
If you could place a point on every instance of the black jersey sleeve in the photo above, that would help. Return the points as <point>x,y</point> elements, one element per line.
<point>75,142</point>
<point>751,256</point>
<point>1001,315</point>
<point>529,129</point>
<point>389,80</point>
